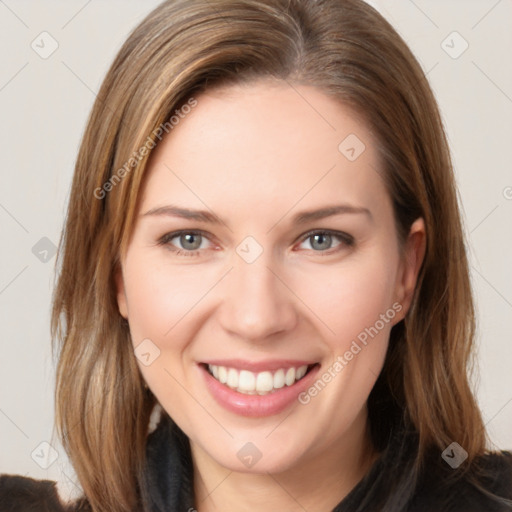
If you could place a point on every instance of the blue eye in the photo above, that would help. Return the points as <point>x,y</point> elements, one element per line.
<point>190,243</point>
<point>321,240</point>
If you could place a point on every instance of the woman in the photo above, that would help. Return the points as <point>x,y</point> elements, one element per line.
<point>313,356</point>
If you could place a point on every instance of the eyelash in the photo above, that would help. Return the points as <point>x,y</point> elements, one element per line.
<point>345,239</point>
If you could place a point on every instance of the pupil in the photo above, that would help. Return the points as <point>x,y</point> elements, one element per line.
<point>188,240</point>
<point>325,241</point>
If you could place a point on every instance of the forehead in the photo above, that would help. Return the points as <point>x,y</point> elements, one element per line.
<point>264,145</point>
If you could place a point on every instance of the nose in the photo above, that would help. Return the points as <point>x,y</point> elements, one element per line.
<point>257,303</point>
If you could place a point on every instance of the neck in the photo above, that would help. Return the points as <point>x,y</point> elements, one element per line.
<point>316,482</point>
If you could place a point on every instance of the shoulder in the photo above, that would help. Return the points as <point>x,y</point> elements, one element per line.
<point>483,486</point>
<point>23,494</point>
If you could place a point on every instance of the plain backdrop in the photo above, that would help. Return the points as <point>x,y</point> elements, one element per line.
<point>464,47</point>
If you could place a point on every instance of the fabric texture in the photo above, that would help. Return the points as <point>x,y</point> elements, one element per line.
<point>169,482</point>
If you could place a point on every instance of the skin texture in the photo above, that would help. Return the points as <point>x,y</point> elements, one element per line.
<point>255,156</point>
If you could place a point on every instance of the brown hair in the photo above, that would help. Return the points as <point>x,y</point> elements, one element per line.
<point>348,51</point>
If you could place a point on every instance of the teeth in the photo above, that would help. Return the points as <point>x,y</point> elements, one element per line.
<point>301,371</point>
<point>246,380</point>
<point>264,382</point>
<point>261,383</point>
<point>279,379</point>
<point>223,374</point>
<point>232,378</point>
<point>290,376</point>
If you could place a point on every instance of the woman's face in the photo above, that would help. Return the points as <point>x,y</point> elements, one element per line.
<point>293,264</point>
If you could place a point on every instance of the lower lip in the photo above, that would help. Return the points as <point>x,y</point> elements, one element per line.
<point>257,405</point>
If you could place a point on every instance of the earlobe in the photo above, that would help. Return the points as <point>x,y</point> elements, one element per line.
<point>121,294</point>
<point>412,258</point>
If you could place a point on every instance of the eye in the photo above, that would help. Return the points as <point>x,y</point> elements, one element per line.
<point>186,243</point>
<point>322,240</point>
<point>190,243</point>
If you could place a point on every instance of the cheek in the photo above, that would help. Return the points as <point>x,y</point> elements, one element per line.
<point>161,296</point>
<point>163,304</point>
<point>356,309</point>
<point>351,297</point>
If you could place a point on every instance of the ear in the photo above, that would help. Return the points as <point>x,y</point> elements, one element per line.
<point>412,258</point>
<point>122,303</point>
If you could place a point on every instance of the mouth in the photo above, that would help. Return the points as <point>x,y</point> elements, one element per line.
<point>257,389</point>
<point>260,383</point>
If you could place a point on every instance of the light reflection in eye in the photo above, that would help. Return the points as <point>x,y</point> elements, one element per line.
<point>191,241</point>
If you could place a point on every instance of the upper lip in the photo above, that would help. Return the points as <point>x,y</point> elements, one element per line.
<point>259,366</point>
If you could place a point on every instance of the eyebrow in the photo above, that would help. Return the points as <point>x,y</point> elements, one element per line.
<point>300,218</point>
<point>329,211</point>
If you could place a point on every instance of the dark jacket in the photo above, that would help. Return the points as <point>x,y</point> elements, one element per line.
<point>170,483</point>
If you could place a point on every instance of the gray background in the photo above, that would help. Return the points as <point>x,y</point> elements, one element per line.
<point>45,102</point>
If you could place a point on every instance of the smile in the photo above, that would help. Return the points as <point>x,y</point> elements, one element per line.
<point>257,389</point>
<point>260,383</point>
